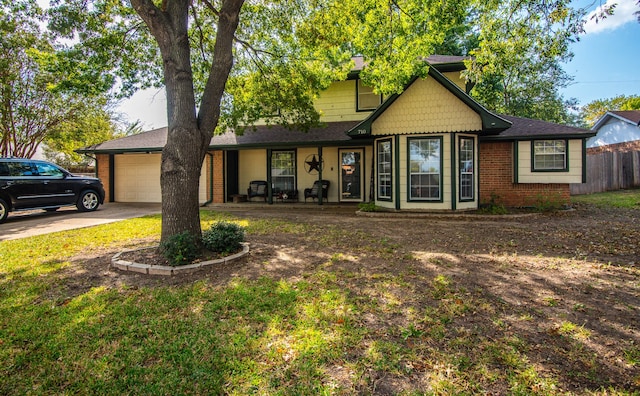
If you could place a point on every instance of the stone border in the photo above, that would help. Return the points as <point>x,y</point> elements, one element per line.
<point>446,215</point>
<point>124,265</point>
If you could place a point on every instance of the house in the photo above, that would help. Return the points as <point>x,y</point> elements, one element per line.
<point>431,147</point>
<point>616,131</point>
<point>613,154</point>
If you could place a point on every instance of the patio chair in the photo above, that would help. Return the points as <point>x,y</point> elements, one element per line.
<point>315,190</point>
<point>257,188</point>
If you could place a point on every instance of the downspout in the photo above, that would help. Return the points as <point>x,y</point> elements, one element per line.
<point>210,200</point>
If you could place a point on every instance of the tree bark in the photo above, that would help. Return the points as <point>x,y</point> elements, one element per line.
<point>189,135</point>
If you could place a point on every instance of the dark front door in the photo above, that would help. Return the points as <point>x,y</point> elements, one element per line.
<point>232,174</point>
<point>351,175</point>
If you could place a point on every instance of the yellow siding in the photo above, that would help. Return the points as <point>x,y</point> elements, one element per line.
<point>445,175</point>
<point>574,174</point>
<point>427,107</point>
<point>446,178</point>
<point>338,103</point>
<point>331,170</point>
<point>252,165</point>
<point>457,79</point>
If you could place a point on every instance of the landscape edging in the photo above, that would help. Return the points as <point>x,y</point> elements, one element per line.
<point>131,266</point>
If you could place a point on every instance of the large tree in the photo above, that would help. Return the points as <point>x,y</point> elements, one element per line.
<point>593,110</point>
<point>516,65</point>
<point>225,63</point>
<point>33,107</point>
<point>94,124</point>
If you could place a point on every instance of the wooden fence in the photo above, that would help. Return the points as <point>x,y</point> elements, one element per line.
<point>609,171</point>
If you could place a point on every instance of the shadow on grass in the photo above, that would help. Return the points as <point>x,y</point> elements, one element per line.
<point>343,306</point>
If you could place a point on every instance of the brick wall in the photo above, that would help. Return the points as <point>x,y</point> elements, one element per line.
<point>624,147</point>
<point>496,179</point>
<point>218,176</point>
<point>102,161</point>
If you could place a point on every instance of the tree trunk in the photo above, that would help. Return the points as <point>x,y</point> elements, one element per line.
<point>188,135</point>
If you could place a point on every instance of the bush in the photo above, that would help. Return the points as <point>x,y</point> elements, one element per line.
<point>368,207</point>
<point>548,202</point>
<point>180,249</point>
<point>494,206</point>
<point>223,237</point>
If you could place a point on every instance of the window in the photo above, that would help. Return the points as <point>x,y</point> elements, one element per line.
<point>283,171</point>
<point>384,170</point>
<point>466,165</point>
<point>425,169</point>
<point>49,170</point>
<point>549,155</point>
<point>366,98</point>
<point>20,169</point>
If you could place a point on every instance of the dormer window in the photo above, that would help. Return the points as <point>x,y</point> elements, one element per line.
<point>366,99</point>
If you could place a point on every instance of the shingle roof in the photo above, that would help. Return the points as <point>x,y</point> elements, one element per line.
<point>526,128</point>
<point>330,133</point>
<point>152,140</point>
<point>333,133</point>
<point>631,115</point>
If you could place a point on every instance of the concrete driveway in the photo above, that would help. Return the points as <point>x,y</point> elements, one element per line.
<point>37,222</point>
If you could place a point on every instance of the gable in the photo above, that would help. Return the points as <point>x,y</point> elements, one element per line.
<point>427,107</point>
<point>614,130</point>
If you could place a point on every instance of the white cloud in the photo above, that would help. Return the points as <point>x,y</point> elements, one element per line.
<point>623,14</point>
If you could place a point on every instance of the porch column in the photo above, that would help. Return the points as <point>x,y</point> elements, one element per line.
<point>321,191</point>
<point>269,179</point>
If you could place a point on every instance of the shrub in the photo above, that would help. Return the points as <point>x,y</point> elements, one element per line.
<point>180,249</point>
<point>494,206</point>
<point>368,207</point>
<point>223,237</point>
<point>548,202</point>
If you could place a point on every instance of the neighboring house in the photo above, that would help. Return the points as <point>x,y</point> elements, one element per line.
<point>613,154</point>
<point>432,147</point>
<point>616,131</point>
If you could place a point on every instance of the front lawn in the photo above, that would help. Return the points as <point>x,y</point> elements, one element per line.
<point>629,199</point>
<point>330,303</point>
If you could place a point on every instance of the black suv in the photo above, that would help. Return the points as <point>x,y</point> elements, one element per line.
<point>33,184</point>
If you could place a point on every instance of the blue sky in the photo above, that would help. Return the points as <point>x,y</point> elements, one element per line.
<point>607,57</point>
<point>606,64</point>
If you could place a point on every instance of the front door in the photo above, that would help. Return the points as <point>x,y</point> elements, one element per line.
<point>351,175</point>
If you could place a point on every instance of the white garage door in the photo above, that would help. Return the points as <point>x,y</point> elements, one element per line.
<point>137,178</point>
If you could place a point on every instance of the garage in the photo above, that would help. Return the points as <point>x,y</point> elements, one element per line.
<point>137,178</point>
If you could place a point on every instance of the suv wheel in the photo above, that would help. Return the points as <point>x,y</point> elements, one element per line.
<point>88,201</point>
<point>4,210</point>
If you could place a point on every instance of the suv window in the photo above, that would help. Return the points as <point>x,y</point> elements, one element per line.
<point>4,169</point>
<point>48,170</point>
<point>19,169</point>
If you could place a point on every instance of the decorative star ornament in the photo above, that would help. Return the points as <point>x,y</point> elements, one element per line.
<point>314,164</point>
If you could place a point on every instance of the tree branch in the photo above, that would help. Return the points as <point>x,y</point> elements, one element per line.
<point>201,33</point>
<point>209,113</point>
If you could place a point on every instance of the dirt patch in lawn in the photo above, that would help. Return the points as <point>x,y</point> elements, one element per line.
<point>556,292</point>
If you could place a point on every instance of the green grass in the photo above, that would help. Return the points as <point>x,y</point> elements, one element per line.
<point>629,199</point>
<point>326,333</point>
